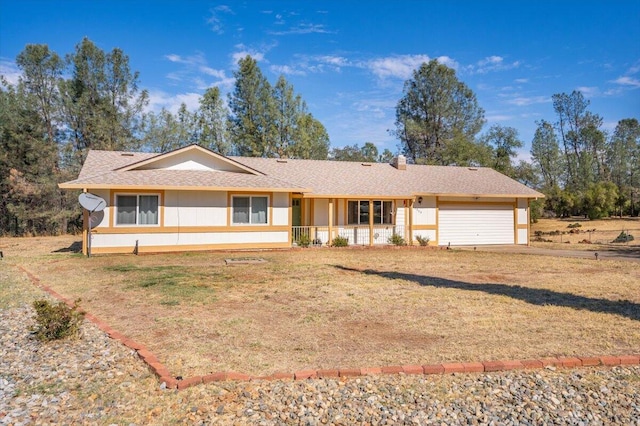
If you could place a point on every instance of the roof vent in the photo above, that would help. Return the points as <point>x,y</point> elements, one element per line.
<point>399,162</point>
<point>281,160</point>
<point>366,164</point>
<point>126,154</point>
<point>474,169</point>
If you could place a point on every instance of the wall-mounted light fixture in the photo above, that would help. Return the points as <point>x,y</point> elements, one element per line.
<point>419,200</point>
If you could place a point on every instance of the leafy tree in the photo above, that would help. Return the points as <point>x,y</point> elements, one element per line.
<point>163,132</point>
<point>460,151</point>
<point>42,70</point>
<point>436,109</point>
<point>526,174</point>
<point>211,122</point>
<point>102,103</point>
<point>311,139</point>
<point>503,142</point>
<point>600,199</point>
<point>368,153</point>
<point>563,203</point>
<point>30,201</point>
<point>252,126</point>
<point>578,129</point>
<point>623,162</point>
<point>546,156</point>
<point>288,108</point>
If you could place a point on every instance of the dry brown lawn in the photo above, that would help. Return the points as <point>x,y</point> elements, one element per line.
<point>590,235</point>
<point>342,308</point>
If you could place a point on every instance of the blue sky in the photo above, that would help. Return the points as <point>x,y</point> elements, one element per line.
<point>349,59</point>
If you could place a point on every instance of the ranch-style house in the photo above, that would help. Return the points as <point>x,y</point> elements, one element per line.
<point>195,199</point>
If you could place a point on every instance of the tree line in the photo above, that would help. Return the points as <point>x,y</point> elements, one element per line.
<point>581,168</point>
<point>61,107</point>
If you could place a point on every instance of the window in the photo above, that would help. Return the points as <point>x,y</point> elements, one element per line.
<point>358,212</point>
<point>249,210</point>
<point>137,209</point>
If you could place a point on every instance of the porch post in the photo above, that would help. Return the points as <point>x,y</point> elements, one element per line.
<point>330,221</point>
<point>85,229</point>
<point>410,218</point>
<point>370,222</point>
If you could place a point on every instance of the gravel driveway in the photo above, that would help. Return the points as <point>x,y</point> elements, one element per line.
<point>619,253</point>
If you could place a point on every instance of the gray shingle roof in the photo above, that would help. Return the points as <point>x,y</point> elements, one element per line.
<point>312,177</point>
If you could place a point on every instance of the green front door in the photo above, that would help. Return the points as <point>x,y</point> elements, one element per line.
<point>296,212</point>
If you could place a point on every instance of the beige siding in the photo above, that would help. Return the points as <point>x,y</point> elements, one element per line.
<point>195,208</point>
<point>177,240</point>
<point>280,209</point>
<point>400,210</point>
<point>321,212</point>
<point>523,218</point>
<point>425,213</point>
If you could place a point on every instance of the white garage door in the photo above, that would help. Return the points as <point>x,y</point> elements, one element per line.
<point>462,224</point>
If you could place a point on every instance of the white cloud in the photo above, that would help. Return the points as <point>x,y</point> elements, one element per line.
<point>635,68</point>
<point>396,66</point>
<point>338,61</point>
<point>194,69</point>
<point>10,71</point>
<point>588,91</point>
<point>286,70</point>
<point>212,72</point>
<point>498,117</point>
<point>627,81</point>
<point>492,63</point>
<point>215,20</point>
<point>159,99</point>
<point>445,60</point>
<point>236,56</point>
<point>521,80</point>
<point>524,101</point>
<point>303,29</point>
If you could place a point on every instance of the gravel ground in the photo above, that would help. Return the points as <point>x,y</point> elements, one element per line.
<point>95,380</point>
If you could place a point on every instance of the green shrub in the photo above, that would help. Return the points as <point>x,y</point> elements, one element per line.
<point>574,225</point>
<point>56,321</point>
<point>304,240</point>
<point>623,238</point>
<point>396,240</point>
<point>423,241</point>
<point>340,241</point>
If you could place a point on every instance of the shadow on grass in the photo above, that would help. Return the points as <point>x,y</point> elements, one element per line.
<point>534,296</point>
<point>75,247</point>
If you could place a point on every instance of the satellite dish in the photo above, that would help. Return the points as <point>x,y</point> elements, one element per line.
<point>91,202</point>
<point>96,218</point>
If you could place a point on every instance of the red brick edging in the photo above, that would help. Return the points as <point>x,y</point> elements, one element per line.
<point>164,376</point>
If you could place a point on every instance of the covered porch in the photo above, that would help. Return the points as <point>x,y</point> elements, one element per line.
<point>361,221</point>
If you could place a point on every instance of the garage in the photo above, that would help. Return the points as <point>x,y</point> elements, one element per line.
<point>475,224</point>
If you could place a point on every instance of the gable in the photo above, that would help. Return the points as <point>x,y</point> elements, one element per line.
<point>191,158</point>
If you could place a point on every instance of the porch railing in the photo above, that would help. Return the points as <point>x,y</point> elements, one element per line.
<point>356,235</point>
